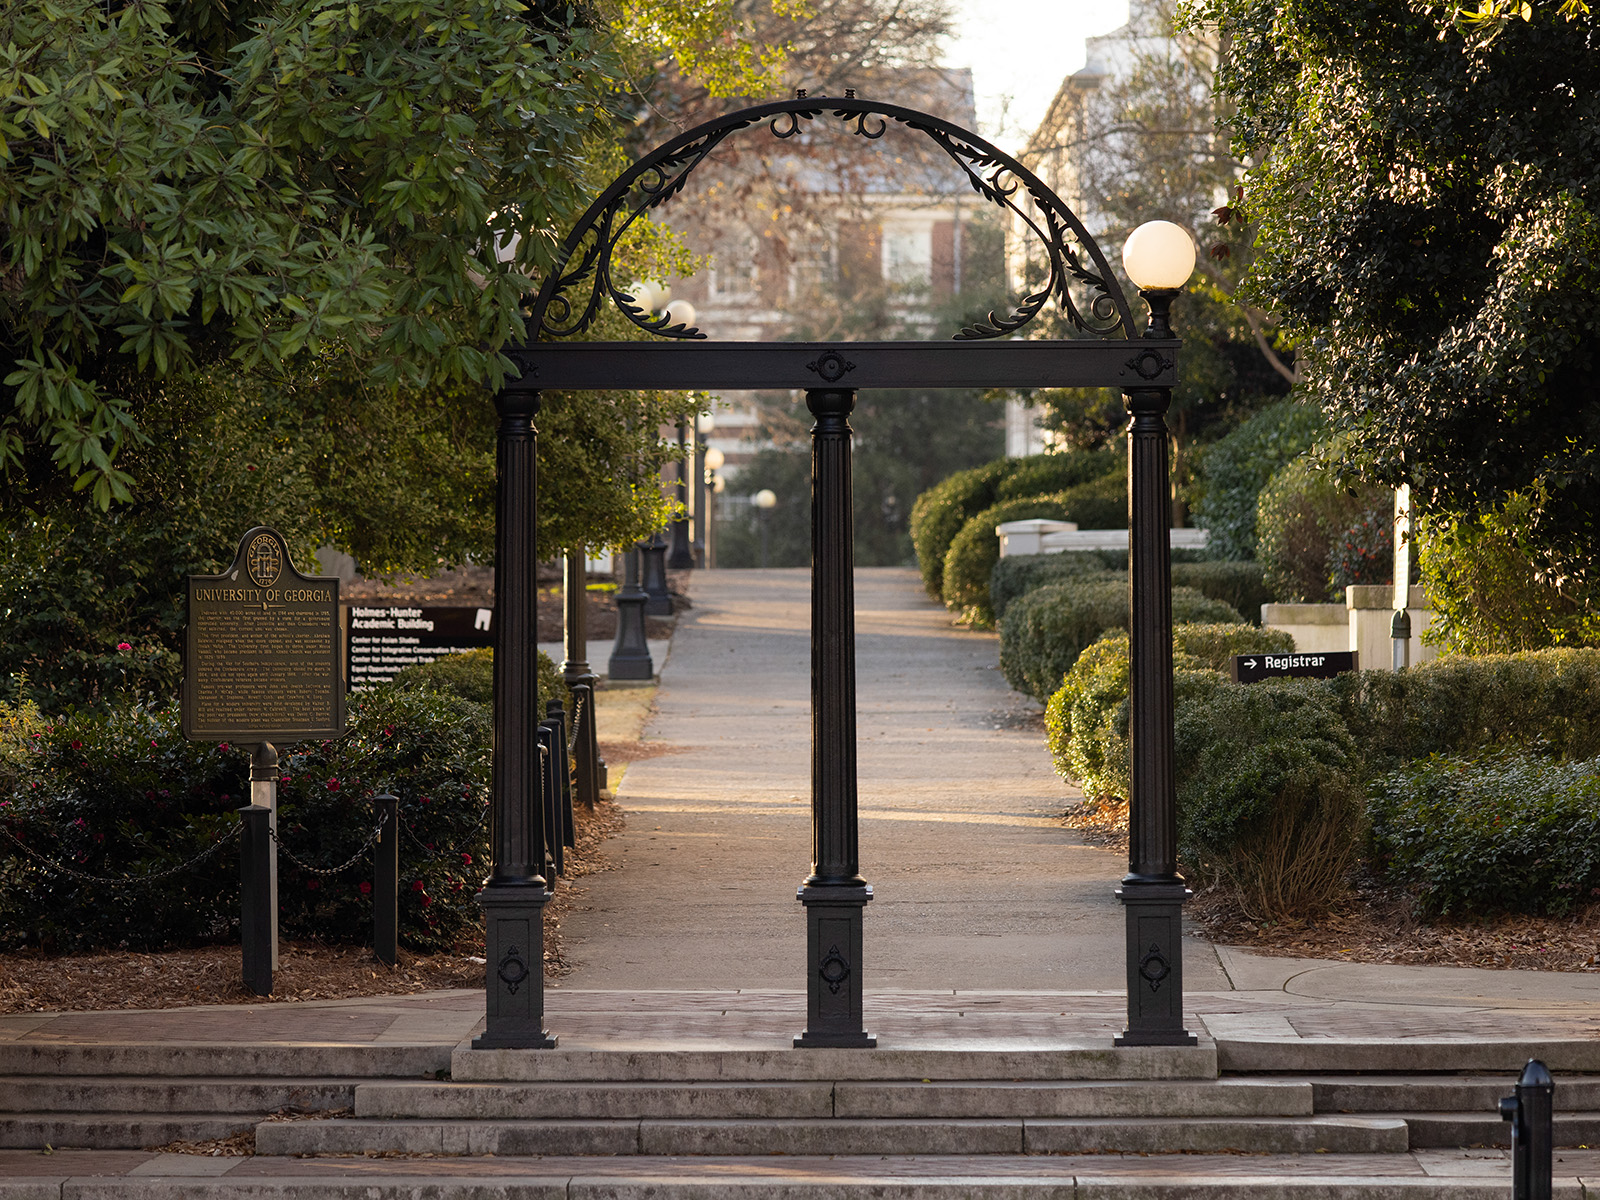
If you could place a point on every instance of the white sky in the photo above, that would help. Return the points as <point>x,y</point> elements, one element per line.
<point>1020,51</point>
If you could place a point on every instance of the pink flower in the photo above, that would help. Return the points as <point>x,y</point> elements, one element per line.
<point>124,647</point>
<point>333,785</point>
<point>365,887</point>
<point>466,859</point>
<point>312,885</point>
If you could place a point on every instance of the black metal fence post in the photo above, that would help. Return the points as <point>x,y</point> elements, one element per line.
<point>514,896</point>
<point>1531,1111</point>
<point>575,673</point>
<point>630,654</point>
<point>1152,893</point>
<point>255,899</point>
<point>386,881</point>
<point>550,742</point>
<point>835,895</point>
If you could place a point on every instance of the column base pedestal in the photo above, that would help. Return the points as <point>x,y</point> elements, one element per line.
<point>834,918</point>
<point>514,949</point>
<point>1154,910</point>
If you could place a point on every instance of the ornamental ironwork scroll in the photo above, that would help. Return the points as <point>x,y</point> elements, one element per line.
<point>581,279</point>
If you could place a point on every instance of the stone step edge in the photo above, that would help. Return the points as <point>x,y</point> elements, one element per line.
<point>1404,1056</point>
<point>1087,1063</point>
<point>210,1060</point>
<point>791,1186</point>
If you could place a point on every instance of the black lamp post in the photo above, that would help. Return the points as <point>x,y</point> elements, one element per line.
<point>1159,258</point>
<point>681,556</point>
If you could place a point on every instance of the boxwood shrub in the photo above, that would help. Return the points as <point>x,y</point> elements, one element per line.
<point>1505,830</point>
<point>1239,585</point>
<point>1021,573</point>
<point>471,677</point>
<point>972,556</point>
<point>1042,474</point>
<point>123,793</point>
<point>941,511</point>
<point>1046,630</point>
<point>1086,721</point>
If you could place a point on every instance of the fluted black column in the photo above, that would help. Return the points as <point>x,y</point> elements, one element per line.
<point>1152,892</point>
<point>578,677</point>
<point>835,895</point>
<point>514,897</point>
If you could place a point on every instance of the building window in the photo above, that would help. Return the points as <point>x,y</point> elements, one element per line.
<point>908,256</point>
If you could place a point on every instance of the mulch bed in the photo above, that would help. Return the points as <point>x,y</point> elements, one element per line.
<point>1374,922</point>
<point>32,981</point>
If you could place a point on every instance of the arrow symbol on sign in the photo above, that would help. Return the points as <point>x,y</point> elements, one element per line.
<point>1251,663</point>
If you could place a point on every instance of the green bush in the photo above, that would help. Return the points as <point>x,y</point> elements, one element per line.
<point>1086,722</point>
<point>943,509</point>
<point>1504,831</point>
<point>972,556</point>
<point>1046,630</point>
<point>123,793</point>
<point>1101,503</point>
<point>1021,573</point>
<point>1546,701</point>
<point>1488,593</point>
<point>1302,517</point>
<point>1233,470</point>
<point>1270,793</point>
<point>471,677</point>
<point>1043,474</point>
<point>976,549</point>
<point>1240,585</point>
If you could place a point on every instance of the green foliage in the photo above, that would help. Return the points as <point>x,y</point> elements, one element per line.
<point>940,512</point>
<point>122,793</point>
<point>1021,573</point>
<point>1269,793</point>
<point>272,180</point>
<point>1043,474</point>
<point>1046,630</point>
<point>1426,217</point>
<point>972,556</point>
<point>1303,515</point>
<point>1233,470</point>
<point>1086,720</point>
<point>1240,585</point>
<point>470,676</point>
<point>1499,832</point>
<point>1548,701</point>
<point>1489,595</point>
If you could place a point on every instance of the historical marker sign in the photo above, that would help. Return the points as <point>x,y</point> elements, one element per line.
<point>261,658</point>
<point>386,638</point>
<point>1253,668</point>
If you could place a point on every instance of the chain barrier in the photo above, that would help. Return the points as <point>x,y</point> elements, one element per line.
<point>577,717</point>
<point>126,880</point>
<point>344,866</point>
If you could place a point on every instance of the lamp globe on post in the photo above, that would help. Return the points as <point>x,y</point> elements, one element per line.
<point>1159,258</point>
<point>764,500</point>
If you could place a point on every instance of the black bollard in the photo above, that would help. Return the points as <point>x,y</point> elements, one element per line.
<point>550,739</point>
<point>386,881</point>
<point>255,891</point>
<point>1531,1111</point>
<point>562,831</point>
<point>630,656</point>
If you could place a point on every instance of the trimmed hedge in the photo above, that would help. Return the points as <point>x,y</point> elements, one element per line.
<point>1046,630</point>
<point>971,559</point>
<point>123,793</point>
<point>1239,585</point>
<point>1503,831</point>
<point>1086,722</point>
<point>1234,470</point>
<point>1021,573</point>
<point>1042,474</point>
<point>943,509</point>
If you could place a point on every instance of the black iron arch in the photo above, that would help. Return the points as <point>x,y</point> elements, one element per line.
<point>583,263</point>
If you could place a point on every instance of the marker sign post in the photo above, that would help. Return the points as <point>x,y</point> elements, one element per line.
<point>261,665</point>
<point>1253,668</point>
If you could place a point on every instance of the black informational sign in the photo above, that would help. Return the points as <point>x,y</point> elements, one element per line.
<point>1253,668</point>
<point>261,652</point>
<point>384,639</point>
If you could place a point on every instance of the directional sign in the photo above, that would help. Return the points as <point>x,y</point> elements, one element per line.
<point>1253,668</point>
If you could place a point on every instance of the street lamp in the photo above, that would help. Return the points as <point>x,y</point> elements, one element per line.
<point>713,460</point>
<point>703,425</point>
<point>1159,258</point>
<point>764,500</point>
